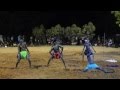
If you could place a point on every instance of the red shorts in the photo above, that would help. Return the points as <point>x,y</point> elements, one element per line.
<point>57,55</point>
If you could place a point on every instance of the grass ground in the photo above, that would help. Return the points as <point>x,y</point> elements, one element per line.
<point>72,57</point>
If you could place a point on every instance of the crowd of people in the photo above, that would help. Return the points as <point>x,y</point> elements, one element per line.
<point>12,41</point>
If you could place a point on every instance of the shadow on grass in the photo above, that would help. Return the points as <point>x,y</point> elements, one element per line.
<point>109,53</point>
<point>7,68</point>
<point>39,66</point>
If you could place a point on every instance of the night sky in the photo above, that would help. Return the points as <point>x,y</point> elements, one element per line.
<point>22,22</point>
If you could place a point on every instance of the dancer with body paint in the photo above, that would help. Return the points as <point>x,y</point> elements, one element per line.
<point>56,52</point>
<point>23,52</point>
<point>88,50</point>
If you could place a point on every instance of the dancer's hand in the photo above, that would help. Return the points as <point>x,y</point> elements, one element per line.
<point>95,51</point>
<point>81,53</point>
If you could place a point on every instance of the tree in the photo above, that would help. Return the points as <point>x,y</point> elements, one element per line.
<point>76,32</point>
<point>67,31</point>
<point>55,31</point>
<point>43,34</point>
<point>73,32</point>
<point>35,31</point>
<point>117,16</point>
<point>88,30</point>
<point>48,33</point>
<point>39,33</point>
<point>68,34</point>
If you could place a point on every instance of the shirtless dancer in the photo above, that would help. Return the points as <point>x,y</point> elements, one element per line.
<point>23,52</point>
<point>89,52</point>
<point>56,52</point>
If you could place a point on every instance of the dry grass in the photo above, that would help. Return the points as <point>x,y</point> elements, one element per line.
<point>40,56</point>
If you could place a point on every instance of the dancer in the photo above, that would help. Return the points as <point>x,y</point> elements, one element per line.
<point>23,52</point>
<point>56,52</point>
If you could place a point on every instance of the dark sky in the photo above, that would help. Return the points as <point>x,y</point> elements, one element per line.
<point>16,22</point>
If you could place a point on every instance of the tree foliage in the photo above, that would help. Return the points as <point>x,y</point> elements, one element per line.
<point>88,30</point>
<point>66,34</point>
<point>117,16</point>
<point>39,33</point>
